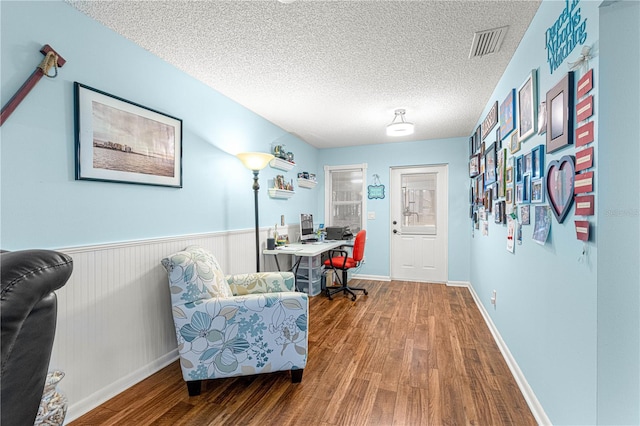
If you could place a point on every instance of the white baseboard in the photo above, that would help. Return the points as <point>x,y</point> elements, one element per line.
<point>458,284</point>
<point>371,277</point>
<point>527,392</point>
<point>92,401</point>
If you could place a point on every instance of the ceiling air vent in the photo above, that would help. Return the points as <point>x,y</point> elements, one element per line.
<point>487,41</point>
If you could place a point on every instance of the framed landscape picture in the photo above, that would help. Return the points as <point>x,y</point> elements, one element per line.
<point>121,141</point>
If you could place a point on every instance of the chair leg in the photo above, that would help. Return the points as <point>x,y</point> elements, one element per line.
<point>194,387</point>
<point>344,287</point>
<point>296,375</point>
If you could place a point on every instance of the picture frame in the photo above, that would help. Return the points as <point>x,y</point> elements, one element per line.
<point>117,140</point>
<point>501,162</point>
<point>525,214</point>
<point>519,172</point>
<point>526,189</point>
<point>519,193</point>
<point>528,162</point>
<point>537,160</point>
<point>474,165</point>
<point>560,110</point>
<point>528,107</point>
<point>498,211</point>
<point>479,136</point>
<point>509,196</point>
<point>514,143</point>
<point>490,165</point>
<point>560,186</point>
<point>488,199</point>
<point>537,191</point>
<point>508,114</point>
<point>479,188</point>
<point>542,118</point>
<point>498,138</point>
<point>508,175</point>
<point>490,120</point>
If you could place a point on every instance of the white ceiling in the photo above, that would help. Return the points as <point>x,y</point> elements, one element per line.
<point>332,72</point>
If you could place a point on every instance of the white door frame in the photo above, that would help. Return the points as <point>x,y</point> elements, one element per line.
<point>443,215</point>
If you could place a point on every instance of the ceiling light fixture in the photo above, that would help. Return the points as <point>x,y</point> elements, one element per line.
<point>398,126</point>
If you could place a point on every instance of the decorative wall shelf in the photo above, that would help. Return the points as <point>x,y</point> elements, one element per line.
<point>280,193</point>
<point>306,183</point>
<point>279,163</point>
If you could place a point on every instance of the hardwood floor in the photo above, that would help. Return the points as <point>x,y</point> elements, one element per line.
<point>407,354</point>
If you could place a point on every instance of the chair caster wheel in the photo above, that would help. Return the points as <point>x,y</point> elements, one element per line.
<point>353,298</point>
<point>365,292</point>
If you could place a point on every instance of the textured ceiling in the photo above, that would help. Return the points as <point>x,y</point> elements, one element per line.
<point>332,72</point>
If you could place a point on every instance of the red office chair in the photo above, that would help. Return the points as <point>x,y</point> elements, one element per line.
<point>339,260</point>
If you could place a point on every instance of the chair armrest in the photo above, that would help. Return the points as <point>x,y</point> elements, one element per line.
<point>344,255</point>
<point>262,282</point>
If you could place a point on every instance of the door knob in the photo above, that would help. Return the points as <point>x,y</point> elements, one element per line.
<point>395,231</point>
<point>395,222</point>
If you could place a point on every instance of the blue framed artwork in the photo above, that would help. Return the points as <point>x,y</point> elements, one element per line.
<point>537,162</point>
<point>507,114</point>
<point>519,168</point>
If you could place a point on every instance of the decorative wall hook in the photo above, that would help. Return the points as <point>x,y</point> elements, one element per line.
<point>52,60</point>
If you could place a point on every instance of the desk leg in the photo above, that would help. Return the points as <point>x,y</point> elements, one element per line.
<point>294,268</point>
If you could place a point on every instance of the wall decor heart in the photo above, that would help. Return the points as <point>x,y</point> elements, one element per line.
<point>560,184</point>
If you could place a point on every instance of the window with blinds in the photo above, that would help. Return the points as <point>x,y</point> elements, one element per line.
<point>345,201</point>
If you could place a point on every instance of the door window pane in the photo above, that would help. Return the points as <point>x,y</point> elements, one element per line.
<point>419,202</point>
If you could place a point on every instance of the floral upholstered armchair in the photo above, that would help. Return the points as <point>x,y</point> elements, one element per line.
<point>234,325</point>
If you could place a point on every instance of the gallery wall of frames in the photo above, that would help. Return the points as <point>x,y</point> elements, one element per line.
<point>512,183</point>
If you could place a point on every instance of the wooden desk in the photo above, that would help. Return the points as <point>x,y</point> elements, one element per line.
<point>300,251</point>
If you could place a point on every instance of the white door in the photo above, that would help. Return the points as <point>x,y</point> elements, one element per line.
<point>418,213</point>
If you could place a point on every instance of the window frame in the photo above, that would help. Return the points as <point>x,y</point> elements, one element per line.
<point>362,167</point>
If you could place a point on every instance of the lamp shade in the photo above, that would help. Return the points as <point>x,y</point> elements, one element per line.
<point>255,160</point>
<point>398,126</point>
<point>400,129</point>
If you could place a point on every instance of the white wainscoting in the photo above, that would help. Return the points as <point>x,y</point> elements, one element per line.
<point>114,314</point>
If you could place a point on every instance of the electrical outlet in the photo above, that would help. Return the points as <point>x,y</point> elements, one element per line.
<point>493,297</point>
<point>282,220</point>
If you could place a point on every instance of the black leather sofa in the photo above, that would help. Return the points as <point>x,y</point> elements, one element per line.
<point>28,308</point>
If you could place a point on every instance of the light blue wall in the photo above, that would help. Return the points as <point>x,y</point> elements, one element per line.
<point>619,216</point>
<point>379,159</point>
<point>42,204</point>
<point>563,319</point>
<point>546,295</point>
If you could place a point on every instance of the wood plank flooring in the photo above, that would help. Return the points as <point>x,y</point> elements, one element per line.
<point>407,354</point>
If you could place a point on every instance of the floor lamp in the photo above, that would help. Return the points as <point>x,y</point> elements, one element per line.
<point>255,161</point>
